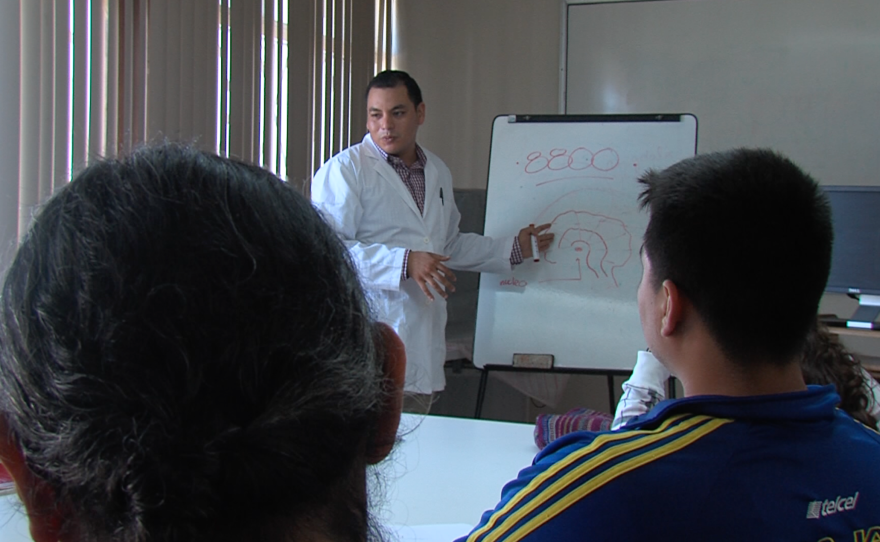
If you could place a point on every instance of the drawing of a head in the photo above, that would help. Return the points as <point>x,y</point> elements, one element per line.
<point>593,244</point>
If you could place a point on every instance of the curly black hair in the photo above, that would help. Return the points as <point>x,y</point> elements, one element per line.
<point>826,361</point>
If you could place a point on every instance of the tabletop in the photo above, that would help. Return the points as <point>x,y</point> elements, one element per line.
<point>442,475</point>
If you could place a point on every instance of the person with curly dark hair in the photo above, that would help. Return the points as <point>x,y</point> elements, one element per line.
<point>826,361</point>
<point>186,355</point>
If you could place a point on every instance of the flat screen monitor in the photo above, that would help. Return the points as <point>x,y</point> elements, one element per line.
<point>855,262</point>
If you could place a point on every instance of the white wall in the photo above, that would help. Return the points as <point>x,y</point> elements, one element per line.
<point>9,120</point>
<point>793,75</point>
<point>475,59</point>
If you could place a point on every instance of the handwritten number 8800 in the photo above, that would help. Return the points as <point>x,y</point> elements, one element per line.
<point>579,159</point>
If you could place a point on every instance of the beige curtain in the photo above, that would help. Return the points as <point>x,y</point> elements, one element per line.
<point>109,66</point>
<point>10,120</point>
<point>275,82</point>
<point>81,94</point>
<point>385,32</point>
<point>333,56</point>
<point>44,104</point>
<point>182,56</point>
<point>293,99</point>
<point>292,73</point>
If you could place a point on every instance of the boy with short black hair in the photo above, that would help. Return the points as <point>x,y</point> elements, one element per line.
<point>736,255</point>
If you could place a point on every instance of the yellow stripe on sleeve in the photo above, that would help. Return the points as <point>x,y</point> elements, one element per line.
<point>597,482</point>
<point>639,438</point>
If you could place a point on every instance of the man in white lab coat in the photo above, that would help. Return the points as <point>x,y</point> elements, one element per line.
<point>391,202</point>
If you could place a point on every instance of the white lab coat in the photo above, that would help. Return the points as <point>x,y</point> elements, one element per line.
<point>368,205</point>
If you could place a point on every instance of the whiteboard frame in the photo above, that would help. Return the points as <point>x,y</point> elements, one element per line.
<point>612,367</point>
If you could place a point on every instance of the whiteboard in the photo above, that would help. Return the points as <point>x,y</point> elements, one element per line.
<point>799,76</point>
<point>578,173</point>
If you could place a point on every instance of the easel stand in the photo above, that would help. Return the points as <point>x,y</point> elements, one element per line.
<point>608,373</point>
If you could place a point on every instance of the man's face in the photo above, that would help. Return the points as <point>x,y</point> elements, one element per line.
<point>393,121</point>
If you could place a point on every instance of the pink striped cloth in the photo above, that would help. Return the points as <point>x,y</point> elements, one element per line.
<point>549,427</point>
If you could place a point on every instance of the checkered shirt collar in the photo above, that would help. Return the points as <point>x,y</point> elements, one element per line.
<point>397,162</point>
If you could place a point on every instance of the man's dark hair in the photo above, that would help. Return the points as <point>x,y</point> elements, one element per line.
<point>394,78</point>
<point>186,354</point>
<point>746,236</point>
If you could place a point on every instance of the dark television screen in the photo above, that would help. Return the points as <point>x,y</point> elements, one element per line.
<point>855,263</point>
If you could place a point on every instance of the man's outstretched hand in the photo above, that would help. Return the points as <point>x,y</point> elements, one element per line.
<point>427,269</point>
<point>525,239</point>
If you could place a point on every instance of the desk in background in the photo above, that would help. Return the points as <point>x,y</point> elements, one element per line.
<point>444,471</point>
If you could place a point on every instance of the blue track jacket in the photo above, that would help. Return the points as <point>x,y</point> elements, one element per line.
<point>786,467</point>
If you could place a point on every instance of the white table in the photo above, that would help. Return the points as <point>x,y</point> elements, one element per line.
<point>13,521</point>
<point>451,470</point>
<point>445,471</point>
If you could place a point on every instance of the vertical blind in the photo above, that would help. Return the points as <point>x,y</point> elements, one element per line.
<point>44,103</point>
<point>275,82</point>
<point>295,99</point>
